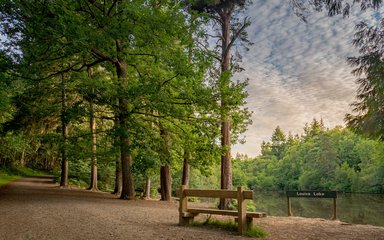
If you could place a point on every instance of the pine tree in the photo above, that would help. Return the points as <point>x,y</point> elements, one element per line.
<point>368,113</point>
<point>231,30</point>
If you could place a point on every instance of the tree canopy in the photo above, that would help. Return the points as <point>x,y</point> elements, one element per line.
<point>128,67</point>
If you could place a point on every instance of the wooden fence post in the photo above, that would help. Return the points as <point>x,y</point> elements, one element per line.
<point>242,218</point>
<point>182,206</point>
<point>289,206</point>
<point>334,209</point>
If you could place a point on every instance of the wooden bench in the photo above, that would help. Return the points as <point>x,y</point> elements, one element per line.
<point>244,218</point>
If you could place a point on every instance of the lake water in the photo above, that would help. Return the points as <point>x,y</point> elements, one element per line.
<point>351,208</point>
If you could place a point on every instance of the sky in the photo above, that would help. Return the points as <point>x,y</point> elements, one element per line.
<point>297,71</point>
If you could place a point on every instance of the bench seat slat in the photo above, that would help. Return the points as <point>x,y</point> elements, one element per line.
<point>213,211</point>
<point>189,214</point>
<point>195,211</point>
<point>256,214</point>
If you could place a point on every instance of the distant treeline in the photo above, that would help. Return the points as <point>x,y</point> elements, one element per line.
<point>319,159</point>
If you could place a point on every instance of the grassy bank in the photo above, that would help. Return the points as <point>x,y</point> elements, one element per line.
<point>253,231</point>
<point>9,174</point>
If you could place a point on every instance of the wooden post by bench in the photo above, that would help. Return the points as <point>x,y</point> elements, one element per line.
<point>243,217</point>
<point>183,219</point>
<point>242,208</point>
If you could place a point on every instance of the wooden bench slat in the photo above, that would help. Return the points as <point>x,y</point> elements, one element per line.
<point>210,193</point>
<point>248,195</point>
<point>256,214</point>
<point>194,211</point>
<point>214,193</point>
<point>213,211</point>
<point>189,214</point>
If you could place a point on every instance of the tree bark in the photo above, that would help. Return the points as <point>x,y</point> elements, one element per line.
<point>165,182</point>
<point>93,185</point>
<point>226,164</point>
<point>185,177</point>
<point>64,124</point>
<point>128,190</point>
<point>122,115</point>
<point>165,175</point>
<point>118,173</point>
<point>22,159</point>
<point>118,177</point>
<point>147,193</point>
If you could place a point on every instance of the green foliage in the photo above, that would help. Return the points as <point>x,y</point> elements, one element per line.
<point>12,145</point>
<point>212,222</point>
<point>277,146</point>
<point>335,159</point>
<point>9,87</point>
<point>302,8</point>
<point>368,107</point>
<point>229,225</point>
<point>75,46</point>
<point>208,179</point>
<point>7,178</point>
<point>13,172</point>
<point>256,232</point>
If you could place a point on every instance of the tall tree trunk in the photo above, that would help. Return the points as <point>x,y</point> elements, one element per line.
<point>128,190</point>
<point>22,159</point>
<point>226,164</point>
<point>93,185</point>
<point>118,177</point>
<point>64,124</point>
<point>165,183</point>
<point>187,152</point>
<point>165,170</point>
<point>118,172</point>
<point>147,193</point>
<point>185,177</point>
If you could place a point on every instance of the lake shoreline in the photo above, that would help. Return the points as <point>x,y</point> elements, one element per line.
<point>365,209</point>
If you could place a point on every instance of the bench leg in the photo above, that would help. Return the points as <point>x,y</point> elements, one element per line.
<point>249,222</point>
<point>186,221</point>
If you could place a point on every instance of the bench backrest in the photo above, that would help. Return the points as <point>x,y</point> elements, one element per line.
<point>208,193</point>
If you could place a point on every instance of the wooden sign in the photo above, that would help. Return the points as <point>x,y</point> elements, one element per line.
<point>312,194</point>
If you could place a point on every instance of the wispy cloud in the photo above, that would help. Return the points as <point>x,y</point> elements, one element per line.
<point>297,70</point>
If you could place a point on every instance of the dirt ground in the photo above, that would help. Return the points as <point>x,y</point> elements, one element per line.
<point>36,208</point>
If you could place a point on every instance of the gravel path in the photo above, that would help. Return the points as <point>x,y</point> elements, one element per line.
<point>36,208</point>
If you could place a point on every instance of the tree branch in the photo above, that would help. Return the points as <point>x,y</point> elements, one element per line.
<point>237,34</point>
<point>96,4</point>
<point>168,80</point>
<point>112,6</point>
<point>102,56</point>
<point>209,52</point>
